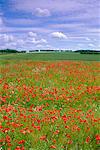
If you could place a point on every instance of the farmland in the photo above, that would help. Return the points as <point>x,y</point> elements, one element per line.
<point>52,104</point>
<point>51,56</point>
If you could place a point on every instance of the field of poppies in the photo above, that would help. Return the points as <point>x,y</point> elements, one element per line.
<point>49,105</point>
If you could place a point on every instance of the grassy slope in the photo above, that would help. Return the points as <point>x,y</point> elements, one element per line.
<point>51,56</point>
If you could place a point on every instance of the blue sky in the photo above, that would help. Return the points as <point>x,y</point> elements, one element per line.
<point>50,24</point>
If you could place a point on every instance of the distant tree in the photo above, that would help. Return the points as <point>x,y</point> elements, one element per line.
<point>87,51</point>
<point>8,51</point>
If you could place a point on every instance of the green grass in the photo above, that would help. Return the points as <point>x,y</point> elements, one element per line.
<point>51,56</point>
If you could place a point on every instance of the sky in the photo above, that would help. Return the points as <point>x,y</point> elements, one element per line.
<point>50,24</point>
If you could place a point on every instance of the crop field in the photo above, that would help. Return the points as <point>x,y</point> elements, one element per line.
<point>46,105</point>
<point>51,56</point>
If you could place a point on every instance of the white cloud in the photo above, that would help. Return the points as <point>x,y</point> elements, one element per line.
<point>43,41</point>
<point>88,39</point>
<point>46,46</point>
<point>59,35</point>
<point>6,38</point>
<point>91,45</point>
<point>42,12</point>
<point>38,41</point>
<point>54,5</point>
<point>32,34</point>
<point>10,41</point>
<point>20,41</point>
<point>39,46</point>
<point>80,38</point>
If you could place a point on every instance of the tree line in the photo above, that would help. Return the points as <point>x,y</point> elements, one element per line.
<point>11,51</point>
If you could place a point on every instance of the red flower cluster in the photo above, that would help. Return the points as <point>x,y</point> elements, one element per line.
<point>52,105</point>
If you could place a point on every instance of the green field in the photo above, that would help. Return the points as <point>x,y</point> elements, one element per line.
<point>51,56</point>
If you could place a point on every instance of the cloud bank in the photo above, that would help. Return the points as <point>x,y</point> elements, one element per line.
<point>68,24</point>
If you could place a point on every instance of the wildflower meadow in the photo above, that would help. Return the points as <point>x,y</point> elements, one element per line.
<point>46,105</point>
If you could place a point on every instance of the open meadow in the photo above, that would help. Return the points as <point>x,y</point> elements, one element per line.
<point>47,103</point>
<point>50,56</point>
